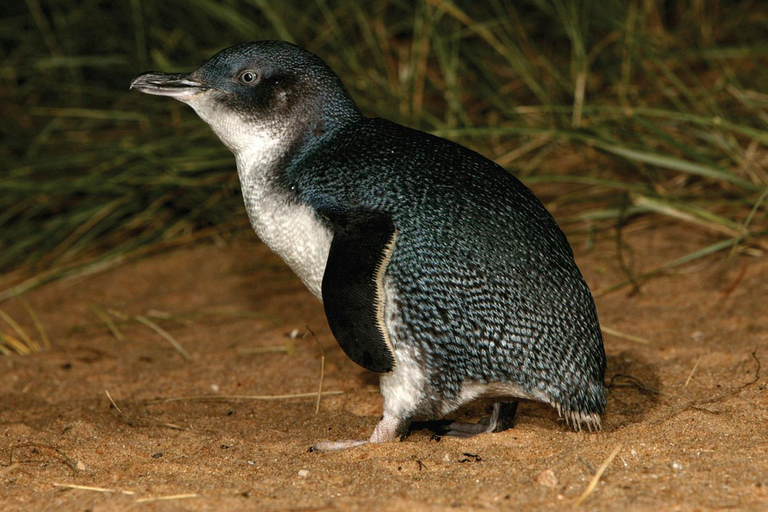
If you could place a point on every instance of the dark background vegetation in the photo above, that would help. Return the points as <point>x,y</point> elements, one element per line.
<point>611,110</point>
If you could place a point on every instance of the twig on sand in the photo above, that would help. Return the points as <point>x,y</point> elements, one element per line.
<point>113,403</point>
<point>596,478</point>
<point>322,368</point>
<point>688,380</point>
<point>130,493</point>
<point>89,488</point>
<point>168,498</point>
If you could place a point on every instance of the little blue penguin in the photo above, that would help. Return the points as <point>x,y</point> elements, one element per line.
<point>436,267</point>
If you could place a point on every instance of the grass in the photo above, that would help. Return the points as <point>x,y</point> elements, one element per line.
<point>20,342</point>
<point>659,107</point>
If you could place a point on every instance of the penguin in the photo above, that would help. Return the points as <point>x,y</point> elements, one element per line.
<point>435,266</point>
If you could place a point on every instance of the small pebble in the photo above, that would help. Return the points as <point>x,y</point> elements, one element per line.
<point>677,466</point>
<point>303,473</point>
<point>547,478</point>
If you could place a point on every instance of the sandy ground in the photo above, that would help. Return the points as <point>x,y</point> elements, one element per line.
<point>686,412</point>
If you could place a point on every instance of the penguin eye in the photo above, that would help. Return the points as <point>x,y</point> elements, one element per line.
<point>248,77</point>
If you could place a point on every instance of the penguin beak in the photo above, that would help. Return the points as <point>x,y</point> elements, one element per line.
<point>179,86</point>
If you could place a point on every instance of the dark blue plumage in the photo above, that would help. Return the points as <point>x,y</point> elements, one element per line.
<point>434,264</point>
<point>487,285</point>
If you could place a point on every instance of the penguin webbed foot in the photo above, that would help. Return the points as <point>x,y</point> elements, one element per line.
<point>389,429</point>
<point>330,446</point>
<point>502,418</point>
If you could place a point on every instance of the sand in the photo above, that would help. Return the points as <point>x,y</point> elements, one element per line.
<point>120,420</point>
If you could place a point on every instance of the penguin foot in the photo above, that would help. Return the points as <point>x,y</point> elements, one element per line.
<point>502,418</point>
<point>389,429</point>
<point>329,446</point>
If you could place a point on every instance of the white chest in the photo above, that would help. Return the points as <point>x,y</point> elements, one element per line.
<point>290,230</point>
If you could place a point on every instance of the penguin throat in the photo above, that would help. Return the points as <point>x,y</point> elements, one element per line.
<point>259,152</point>
<point>256,145</point>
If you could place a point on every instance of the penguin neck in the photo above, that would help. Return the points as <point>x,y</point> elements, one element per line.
<point>261,155</point>
<point>264,152</point>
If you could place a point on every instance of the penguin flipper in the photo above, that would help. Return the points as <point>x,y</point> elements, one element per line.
<point>353,286</point>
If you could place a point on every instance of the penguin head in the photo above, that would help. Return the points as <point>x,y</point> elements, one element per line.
<point>257,93</point>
